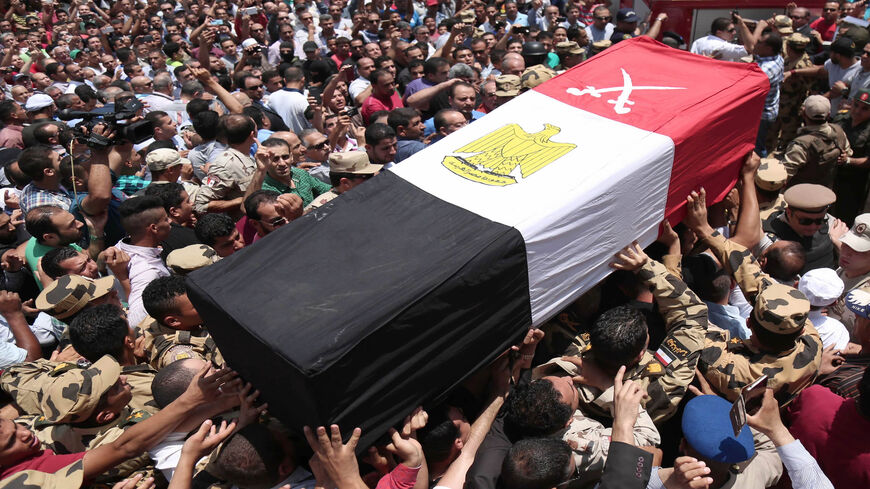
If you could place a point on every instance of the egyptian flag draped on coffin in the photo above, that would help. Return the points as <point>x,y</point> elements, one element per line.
<point>399,289</point>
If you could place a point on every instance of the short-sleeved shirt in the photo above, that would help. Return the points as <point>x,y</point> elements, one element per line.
<point>33,196</point>
<point>417,85</point>
<point>228,178</point>
<point>374,103</point>
<point>290,104</point>
<point>838,73</point>
<point>305,186</point>
<point>34,251</point>
<point>711,45</point>
<point>825,28</point>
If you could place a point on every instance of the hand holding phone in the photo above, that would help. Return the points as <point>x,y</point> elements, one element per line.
<point>747,403</point>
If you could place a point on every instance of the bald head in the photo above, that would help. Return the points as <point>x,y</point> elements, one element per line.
<point>513,64</point>
<point>243,99</point>
<point>172,380</point>
<point>141,84</point>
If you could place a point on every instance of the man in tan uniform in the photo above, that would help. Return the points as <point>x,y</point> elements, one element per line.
<point>784,345</point>
<point>769,181</point>
<point>223,189</point>
<point>346,171</point>
<point>665,373</point>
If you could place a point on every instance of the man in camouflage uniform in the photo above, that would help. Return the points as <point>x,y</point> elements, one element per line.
<point>665,373</point>
<point>850,184</point>
<point>792,93</point>
<point>191,258</point>
<point>769,181</point>
<point>229,175</point>
<point>784,345</point>
<point>70,294</point>
<point>813,155</point>
<point>85,408</point>
<point>173,331</point>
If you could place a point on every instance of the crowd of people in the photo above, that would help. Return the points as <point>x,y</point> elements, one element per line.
<point>145,139</point>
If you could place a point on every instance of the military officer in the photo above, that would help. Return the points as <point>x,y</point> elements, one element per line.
<point>850,183</point>
<point>784,345</point>
<point>346,171</point>
<point>173,331</point>
<point>812,156</point>
<point>854,267</point>
<point>805,220</point>
<point>665,373</point>
<point>769,181</point>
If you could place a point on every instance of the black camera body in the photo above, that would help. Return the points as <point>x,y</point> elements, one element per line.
<point>115,118</point>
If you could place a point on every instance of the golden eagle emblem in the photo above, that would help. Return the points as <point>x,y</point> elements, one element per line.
<point>494,157</point>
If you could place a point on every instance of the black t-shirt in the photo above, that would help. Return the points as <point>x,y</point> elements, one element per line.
<point>179,237</point>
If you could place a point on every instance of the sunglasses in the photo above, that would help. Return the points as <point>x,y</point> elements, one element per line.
<point>321,145</point>
<point>604,18</point>
<point>829,10</point>
<point>278,221</point>
<point>806,221</point>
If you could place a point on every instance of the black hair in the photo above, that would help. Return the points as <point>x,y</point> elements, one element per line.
<point>34,160</point>
<point>169,193</point>
<point>7,107</point>
<point>159,295</point>
<point>99,330</point>
<point>438,436</point>
<point>252,203</point>
<point>212,226</point>
<point>38,221</point>
<point>440,119</point>
<point>170,382</point>
<point>52,259</point>
<point>773,41</point>
<point>538,463</point>
<point>402,117</point>
<point>536,409</point>
<point>433,64</point>
<point>618,336</point>
<point>784,263</point>
<point>135,213</point>
<point>237,128</point>
<point>251,458</point>
<point>256,114</point>
<point>377,132</point>
<point>205,123</point>
<point>720,24</point>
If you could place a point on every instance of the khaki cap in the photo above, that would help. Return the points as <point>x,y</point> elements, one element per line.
<point>798,40</point>
<point>69,294</point>
<point>599,46</point>
<point>507,86</point>
<point>858,238</point>
<point>467,17</point>
<point>817,107</point>
<point>810,197</point>
<point>535,75</point>
<point>190,258</point>
<point>569,47</point>
<point>783,24</point>
<point>72,396</point>
<point>353,162</point>
<point>771,175</point>
<point>164,158</point>
<point>781,309</point>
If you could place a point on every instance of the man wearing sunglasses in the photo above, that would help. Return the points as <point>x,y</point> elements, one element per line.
<point>805,220</point>
<point>826,25</point>
<point>601,27</point>
<point>718,43</point>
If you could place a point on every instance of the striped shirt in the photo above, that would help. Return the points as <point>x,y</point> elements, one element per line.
<point>772,66</point>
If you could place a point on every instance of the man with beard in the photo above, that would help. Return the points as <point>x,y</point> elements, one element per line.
<point>50,227</point>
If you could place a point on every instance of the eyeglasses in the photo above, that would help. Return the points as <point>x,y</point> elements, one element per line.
<point>795,17</point>
<point>733,29</point>
<point>278,222</point>
<point>806,221</point>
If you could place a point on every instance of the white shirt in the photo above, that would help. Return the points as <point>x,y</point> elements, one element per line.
<point>145,266</point>
<point>157,101</point>
<point>831,331</point>
<point>707,46</point>
<point>358,86</point>
<point>596,35</point>
<point>290,104</point>
<point>167,453</point>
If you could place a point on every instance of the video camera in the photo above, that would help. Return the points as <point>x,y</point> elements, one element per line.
<point>116,118</point>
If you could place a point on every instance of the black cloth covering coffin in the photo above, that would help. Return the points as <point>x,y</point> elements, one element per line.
<point>355,314</point>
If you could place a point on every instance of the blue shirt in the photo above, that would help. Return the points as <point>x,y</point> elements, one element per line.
<point>728,318</point>
<point>772,66</point>
<point>430,123</point>
<point>407,147</point>
<point>521,20</point>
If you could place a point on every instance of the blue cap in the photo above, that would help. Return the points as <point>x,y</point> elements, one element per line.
<point>627,15</point>
<point>707,428</point>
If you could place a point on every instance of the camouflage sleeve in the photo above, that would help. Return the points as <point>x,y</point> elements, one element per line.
<point>674,265</point>
<point>740,263</point>
<point>69,477</point>
<point>686,319</point>
<point>217,184</point>
<point>795,158</point>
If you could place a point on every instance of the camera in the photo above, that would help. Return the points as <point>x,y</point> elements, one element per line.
<point>351,111</point>
<point>256,49</point>
<point>499,24</point>
<point>115,118</point>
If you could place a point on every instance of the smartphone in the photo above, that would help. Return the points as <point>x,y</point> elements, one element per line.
<point>522,30</point>
<point>107,30</point>
<point>386,23</point>
<point>316,93</point>
<point>250,11</point>
<point>748,402</point>
<point>217,22</point>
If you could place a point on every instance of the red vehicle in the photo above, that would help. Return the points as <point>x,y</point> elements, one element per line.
<point>692,18</point>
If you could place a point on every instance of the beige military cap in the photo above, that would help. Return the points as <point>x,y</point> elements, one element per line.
<point>771,174</point>
<point>185,260</point>
<point>73,396</point>
<point>70,293</point>
<point>809,197</point>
